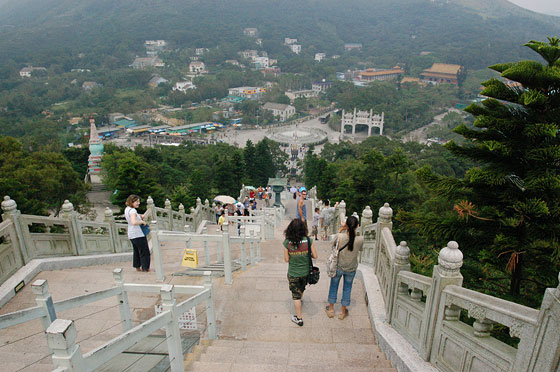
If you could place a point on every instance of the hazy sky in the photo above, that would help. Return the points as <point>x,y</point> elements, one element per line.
<point>551,7</point>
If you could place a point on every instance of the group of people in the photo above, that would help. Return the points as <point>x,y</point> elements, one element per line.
<point>299,250</point>
<point>322,217</point>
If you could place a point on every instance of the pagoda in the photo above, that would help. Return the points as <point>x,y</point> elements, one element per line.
<point>95,149</point>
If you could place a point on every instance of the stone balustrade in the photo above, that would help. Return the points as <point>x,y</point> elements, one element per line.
<point>426,311</point>
<point>26,237</point>
<point>61,333</point>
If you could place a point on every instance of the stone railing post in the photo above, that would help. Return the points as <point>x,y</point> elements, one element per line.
<point>61,338</point>
<point>151,209</point>
<point>447,272</point>
<point>43,299</point>
<point>209,211</point>
<point>156,249</point>
<point>210,314</point>
<point>172,331</point>
<point>169,213</point>
<point>367,218</point>
<point>113,231</point>
<point>199,213</point>
<point>383,221</point>
<point>543,351</point>
<point>124,307</point>
<point>401,263</point>
<point>193,225</point>
<point>182,213</point>
<point>68,213</point>
<point>10,212</point>
<point>228,279</point>
<point>339,214</point>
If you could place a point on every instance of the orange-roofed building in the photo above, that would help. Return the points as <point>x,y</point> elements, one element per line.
<point>409,79</point>
<point>372,74</point>
<point>442,73</point>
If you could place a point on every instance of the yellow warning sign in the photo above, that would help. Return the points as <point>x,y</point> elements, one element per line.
<point>190,258</point>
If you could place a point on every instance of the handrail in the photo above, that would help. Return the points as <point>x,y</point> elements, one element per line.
<point>97,357</point>
<point>510,310</point>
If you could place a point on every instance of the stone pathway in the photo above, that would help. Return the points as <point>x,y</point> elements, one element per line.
<point>253,318</point>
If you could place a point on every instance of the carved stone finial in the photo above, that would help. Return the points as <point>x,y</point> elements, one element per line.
<point>558,288</point>
<point>355,214</point>
<point>450,258</point>
<point>150,201</point>
<point>206,202</point>
<point>181,208</point>
<point>9,205</point>
<point>402,254</point>
<point>192,210</point>
<point>367,213</point>
<point>342,204</point>
<point>198,201</point>
<point>167,204</point>
<point>108,212</point>
<point>67,207</point>
<point>385,213</point>
<point>213,205</point>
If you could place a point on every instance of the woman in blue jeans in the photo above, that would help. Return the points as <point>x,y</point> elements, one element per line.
<point>349,245</point>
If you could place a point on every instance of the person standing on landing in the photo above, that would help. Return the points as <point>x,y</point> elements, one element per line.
<point>296,253</point>
<point>349,245</point>
<point>140,249</point>
<point>301,208</point>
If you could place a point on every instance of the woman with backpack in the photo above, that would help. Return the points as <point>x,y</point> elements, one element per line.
<point>349,245</point>
<point>297,246</point>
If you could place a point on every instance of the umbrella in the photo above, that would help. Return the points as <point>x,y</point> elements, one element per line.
<point>224,199</point>
<point>293,190</point>
<point>250,188</point>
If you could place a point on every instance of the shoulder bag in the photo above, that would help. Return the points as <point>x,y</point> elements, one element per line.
<point>332,261</point>
<point>313,276</point>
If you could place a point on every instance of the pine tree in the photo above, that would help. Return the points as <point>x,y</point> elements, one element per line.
<point>506,211</point>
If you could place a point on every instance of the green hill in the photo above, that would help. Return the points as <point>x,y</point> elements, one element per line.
<point>471,32</point>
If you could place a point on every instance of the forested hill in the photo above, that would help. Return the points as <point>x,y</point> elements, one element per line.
<point>469,32</point>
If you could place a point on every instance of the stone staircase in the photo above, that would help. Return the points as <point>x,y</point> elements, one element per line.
<point>256,333</point>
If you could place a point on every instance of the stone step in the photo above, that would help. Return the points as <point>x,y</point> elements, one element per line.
<point>282,356</point>
<point>199,366</point>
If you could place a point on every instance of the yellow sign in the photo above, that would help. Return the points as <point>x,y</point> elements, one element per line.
<point>190,258</point>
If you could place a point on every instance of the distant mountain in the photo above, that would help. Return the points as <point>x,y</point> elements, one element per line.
<point>475,33</point>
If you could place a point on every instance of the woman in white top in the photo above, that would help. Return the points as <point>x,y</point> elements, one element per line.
<point>140,249</point>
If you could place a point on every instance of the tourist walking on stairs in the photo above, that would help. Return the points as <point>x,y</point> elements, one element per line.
<point>349,245</point>
<point>140,249</point>
<point>296,253</point>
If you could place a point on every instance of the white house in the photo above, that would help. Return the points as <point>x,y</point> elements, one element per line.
<point>284,112</point>
<point>261,62</point>
<point>320,56</point>
<point>197,67</point>
<point>250,31</point>
<point>288,41</point>
<point>183,86</point>
<point>144,62</point>
<point>321,86</point>
<point>249,54</point>
<point>155,43</point>
<point>296,48</point>
<point>28,71</point>
<point>306,93</point>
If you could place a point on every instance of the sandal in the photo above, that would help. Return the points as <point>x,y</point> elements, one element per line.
<point>343,314</point>
<point>330,313</point>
